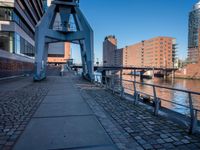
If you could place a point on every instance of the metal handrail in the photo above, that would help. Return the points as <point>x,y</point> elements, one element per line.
<point>159,86</point>
<point>156,99</point>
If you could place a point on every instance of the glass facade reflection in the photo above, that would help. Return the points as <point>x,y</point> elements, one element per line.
<point>11,41</point>
<point>193,34</point>
<point>7,41</point>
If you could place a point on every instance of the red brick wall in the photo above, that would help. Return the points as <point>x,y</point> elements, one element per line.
<point>190,71</point>
<point>9,67</point>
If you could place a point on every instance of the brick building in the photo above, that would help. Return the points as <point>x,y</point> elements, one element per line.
<point>109,51</point>
<point>155,52</point>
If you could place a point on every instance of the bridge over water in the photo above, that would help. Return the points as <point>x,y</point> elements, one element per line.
<point>142,70</point>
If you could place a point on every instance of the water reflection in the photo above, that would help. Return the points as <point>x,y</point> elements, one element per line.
<point>169,95</point>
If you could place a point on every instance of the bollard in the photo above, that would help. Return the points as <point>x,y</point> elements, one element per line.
<point>61,73</point>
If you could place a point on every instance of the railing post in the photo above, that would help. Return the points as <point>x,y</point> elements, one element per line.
<point>121,84</point>
<point>101,80</point>
<point>121,78</point>
<point>98,81</point>
<point>112,85</point>
<point>156,101</point>
<point>193,115</point>
<point>106,81</point>
<point>136,95</point>
<point>122,92</point>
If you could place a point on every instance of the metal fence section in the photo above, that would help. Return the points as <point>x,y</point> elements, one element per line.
<point>123,87</point>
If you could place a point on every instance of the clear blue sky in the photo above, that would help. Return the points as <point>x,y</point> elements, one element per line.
<point>134,20</point>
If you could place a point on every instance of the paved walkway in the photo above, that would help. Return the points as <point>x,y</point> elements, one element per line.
<point>71,113</point>
<point>133,127</point>
<point>64,121</point>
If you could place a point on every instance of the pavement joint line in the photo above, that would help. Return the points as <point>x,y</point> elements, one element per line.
<point>52,103</point>
<point>65,116</point>
<point>12,77</point>
<point>86,147</point>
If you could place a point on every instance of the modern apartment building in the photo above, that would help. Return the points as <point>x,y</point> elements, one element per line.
<point>155,52</point>
<point>194,34</point>
<point>18,19</point>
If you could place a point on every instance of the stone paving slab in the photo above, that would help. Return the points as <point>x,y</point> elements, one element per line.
<point>62,109</point>
<point>64,121</point>
<point>54,92</point>
<point>61,99</point>
<point>19,99</point>
<point>63,133</point>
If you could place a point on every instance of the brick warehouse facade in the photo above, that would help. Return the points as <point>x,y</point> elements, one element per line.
<point>15,65</point>
<point>155,52</point>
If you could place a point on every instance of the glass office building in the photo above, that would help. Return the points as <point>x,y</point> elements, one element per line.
<point>194,34</point>
<point>18,19</point>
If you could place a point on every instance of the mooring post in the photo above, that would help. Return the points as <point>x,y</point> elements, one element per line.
<point>193,115</point>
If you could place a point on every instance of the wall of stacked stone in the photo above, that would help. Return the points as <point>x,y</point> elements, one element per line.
<point>10,67</point>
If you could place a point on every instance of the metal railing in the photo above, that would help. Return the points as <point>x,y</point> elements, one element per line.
<point>109,83</point>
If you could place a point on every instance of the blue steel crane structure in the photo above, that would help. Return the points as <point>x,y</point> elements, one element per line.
<point>45,34</point>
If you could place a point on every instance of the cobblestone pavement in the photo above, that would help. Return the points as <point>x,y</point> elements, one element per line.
<point>132,127</point>
<point>18,101</point>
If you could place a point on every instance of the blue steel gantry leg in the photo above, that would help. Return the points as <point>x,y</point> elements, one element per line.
<point>45,34</point>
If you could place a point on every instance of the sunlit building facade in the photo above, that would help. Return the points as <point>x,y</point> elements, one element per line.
<point>109,51</point>
<point>157,52</point>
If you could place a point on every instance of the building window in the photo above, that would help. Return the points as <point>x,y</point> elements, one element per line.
<point>6,41</point>
<point>6,13</point>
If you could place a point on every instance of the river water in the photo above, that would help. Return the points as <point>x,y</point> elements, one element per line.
<point>169,95</point>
